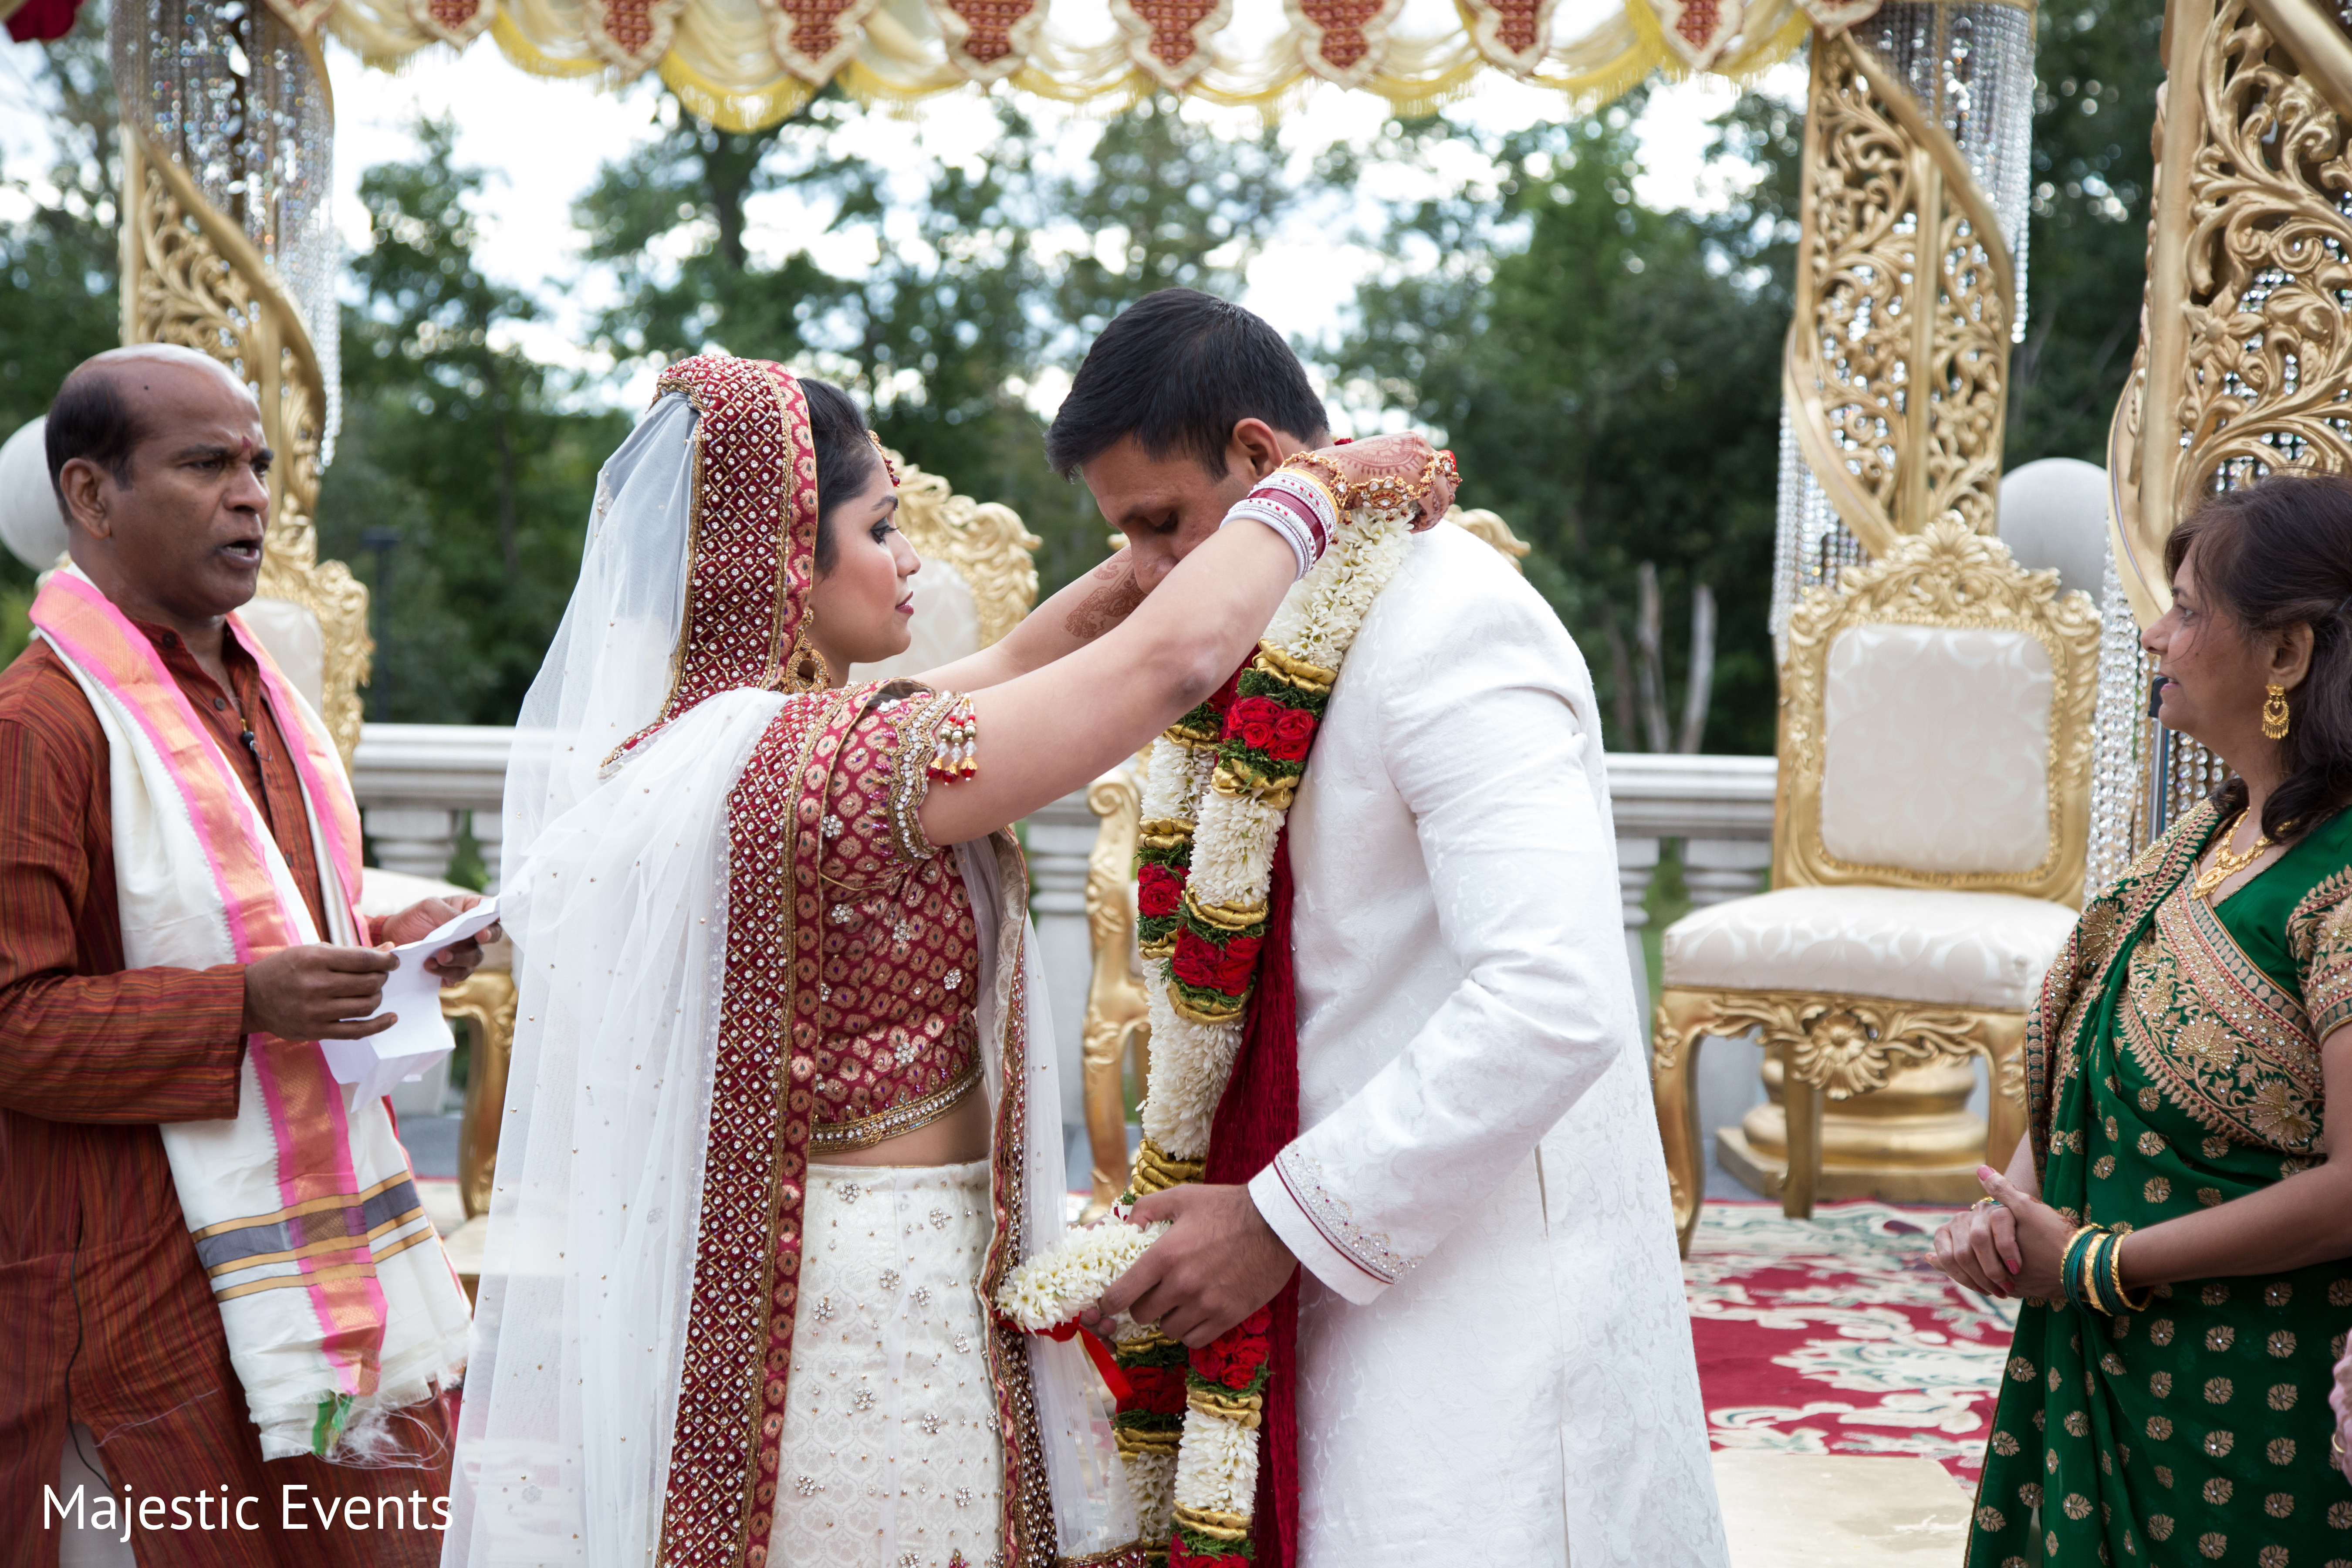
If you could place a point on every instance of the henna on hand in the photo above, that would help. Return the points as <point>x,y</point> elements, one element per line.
<point>1399,461</point>
<point>1109,604</point>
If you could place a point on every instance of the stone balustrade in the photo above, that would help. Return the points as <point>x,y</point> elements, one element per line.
<point>420,784</point>
<point>1720,808</point>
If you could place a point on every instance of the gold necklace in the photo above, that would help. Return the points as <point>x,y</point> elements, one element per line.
<point>2227,863</point>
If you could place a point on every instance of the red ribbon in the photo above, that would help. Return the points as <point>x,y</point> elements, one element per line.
<point>1096,1351</point>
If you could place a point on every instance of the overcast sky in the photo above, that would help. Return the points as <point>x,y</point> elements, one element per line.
<point>541,143</point>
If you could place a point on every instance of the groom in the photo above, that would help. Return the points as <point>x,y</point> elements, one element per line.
<point>1492,1357</point>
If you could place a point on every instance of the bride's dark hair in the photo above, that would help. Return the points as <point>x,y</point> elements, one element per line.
<point>2273,554</point>
<point>845,459</point>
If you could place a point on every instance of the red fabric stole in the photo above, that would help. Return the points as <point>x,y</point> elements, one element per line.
<point>1256,1118</point>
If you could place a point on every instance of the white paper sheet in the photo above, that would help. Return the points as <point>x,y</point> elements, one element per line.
<point>368,1068</point>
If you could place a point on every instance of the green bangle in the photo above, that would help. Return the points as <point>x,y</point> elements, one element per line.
<point>2086,1272</point>
<point>2076,1274</point>
<point>2103,1293</point>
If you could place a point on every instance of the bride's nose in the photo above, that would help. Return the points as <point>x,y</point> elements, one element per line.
<point>909,562</point>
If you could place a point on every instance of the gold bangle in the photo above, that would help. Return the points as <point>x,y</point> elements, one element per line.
<point>2116,1279</point>
<point>2070,1279</point>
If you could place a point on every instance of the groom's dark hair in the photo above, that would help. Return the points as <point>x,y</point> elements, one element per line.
<point>1177,370</point>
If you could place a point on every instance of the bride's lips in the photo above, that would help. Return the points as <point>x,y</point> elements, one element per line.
<point>906,606</point>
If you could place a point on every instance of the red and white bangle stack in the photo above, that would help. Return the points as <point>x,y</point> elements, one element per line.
<point>1297,507</point>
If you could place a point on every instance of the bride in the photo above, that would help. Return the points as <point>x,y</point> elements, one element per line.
<point>781,1115</point>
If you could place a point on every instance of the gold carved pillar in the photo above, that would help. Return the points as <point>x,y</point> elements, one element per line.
<point>1116,1031</point>
<point>228,248</point>
<point>2244,365</point>
<point>1895,385</point>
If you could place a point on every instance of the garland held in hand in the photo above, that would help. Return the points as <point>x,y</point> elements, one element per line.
<point>1220,786</point>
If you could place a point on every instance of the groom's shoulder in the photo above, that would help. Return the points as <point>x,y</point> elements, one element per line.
<point>1456,589</point>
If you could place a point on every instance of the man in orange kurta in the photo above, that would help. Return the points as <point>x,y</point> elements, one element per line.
<point>109,1338</point>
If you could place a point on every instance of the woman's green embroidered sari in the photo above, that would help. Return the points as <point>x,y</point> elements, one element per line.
<point>2173,1062</point>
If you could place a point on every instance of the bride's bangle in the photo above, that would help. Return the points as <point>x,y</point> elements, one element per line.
<point>1296,508</point>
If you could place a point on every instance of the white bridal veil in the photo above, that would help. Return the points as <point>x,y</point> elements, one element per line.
<point>616,901</point>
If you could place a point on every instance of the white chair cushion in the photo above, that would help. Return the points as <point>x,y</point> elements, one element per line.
<point>1969,949</point>
<point>1936,749</point>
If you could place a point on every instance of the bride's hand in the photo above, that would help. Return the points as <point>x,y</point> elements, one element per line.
<point>1403,459</point>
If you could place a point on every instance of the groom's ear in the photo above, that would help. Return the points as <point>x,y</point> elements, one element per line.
<point>1257,449</point>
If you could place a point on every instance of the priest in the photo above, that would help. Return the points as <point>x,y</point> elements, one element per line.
<point>220,1291</point>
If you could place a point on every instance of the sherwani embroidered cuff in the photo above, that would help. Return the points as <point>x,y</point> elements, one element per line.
<point>1289,1219</point>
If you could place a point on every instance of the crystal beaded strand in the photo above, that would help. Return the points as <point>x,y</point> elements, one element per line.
<point>2118,736</point>
<point>231,95</point>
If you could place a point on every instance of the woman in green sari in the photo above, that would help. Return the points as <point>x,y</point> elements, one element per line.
<point>2173,1219</point>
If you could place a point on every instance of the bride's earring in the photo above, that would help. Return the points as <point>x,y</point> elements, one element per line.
<point>804,668</point>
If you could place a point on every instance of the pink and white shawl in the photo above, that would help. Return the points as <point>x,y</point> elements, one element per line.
<point>339,1307</point>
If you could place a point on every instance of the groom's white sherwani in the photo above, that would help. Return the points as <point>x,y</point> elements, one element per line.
<point>1496,1361</point>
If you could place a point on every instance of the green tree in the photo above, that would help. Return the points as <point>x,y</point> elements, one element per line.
<point>1608,375</point>
<point>460,484</point>
<point>1162,198</point>
<point>672,220</point>
<point>946,333</point>
<point>61,271</point>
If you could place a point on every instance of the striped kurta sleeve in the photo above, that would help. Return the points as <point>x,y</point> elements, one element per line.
<point>79,1043</point>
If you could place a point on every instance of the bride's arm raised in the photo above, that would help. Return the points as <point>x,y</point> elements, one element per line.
<point>1053,730</point>
<point>1068,621</point>
<point>1043,734</point>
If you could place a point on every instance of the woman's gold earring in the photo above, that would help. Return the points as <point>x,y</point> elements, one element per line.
<point>2275,713</point>
<point>804,668</point>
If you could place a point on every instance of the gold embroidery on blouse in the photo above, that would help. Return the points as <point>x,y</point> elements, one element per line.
<point>864,1132</point>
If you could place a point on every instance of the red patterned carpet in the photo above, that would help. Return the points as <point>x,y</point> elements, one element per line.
<point>1834,1335</point>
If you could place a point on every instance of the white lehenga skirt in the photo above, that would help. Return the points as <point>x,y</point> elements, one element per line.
<point>891,1452</point>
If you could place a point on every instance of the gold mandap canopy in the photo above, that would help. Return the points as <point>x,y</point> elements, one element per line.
<point>745,64</point>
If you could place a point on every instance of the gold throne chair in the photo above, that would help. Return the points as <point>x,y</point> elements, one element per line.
<point>1927,859</point>
<point>1117,1049</point>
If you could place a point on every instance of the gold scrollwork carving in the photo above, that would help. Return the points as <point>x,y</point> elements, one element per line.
<point>191,277</point>
<point>2245,355</point>
<point>1947,576</point>
<point>485,1000</point>
<point>1116,1025</point>
<point>985,541</point>
<point>1896,367</point>
<point>1831,1047</point>
<point>1845,1046</point>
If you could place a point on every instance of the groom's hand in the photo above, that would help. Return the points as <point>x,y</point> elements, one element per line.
<point>1218,1262</point>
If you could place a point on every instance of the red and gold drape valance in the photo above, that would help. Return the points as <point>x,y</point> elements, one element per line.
<point>743,64</point>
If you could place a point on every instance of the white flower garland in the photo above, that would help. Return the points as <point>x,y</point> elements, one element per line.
<point>1214,1470</point>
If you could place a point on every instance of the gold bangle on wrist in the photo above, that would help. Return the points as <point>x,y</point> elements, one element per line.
<point>2116,1277</point>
